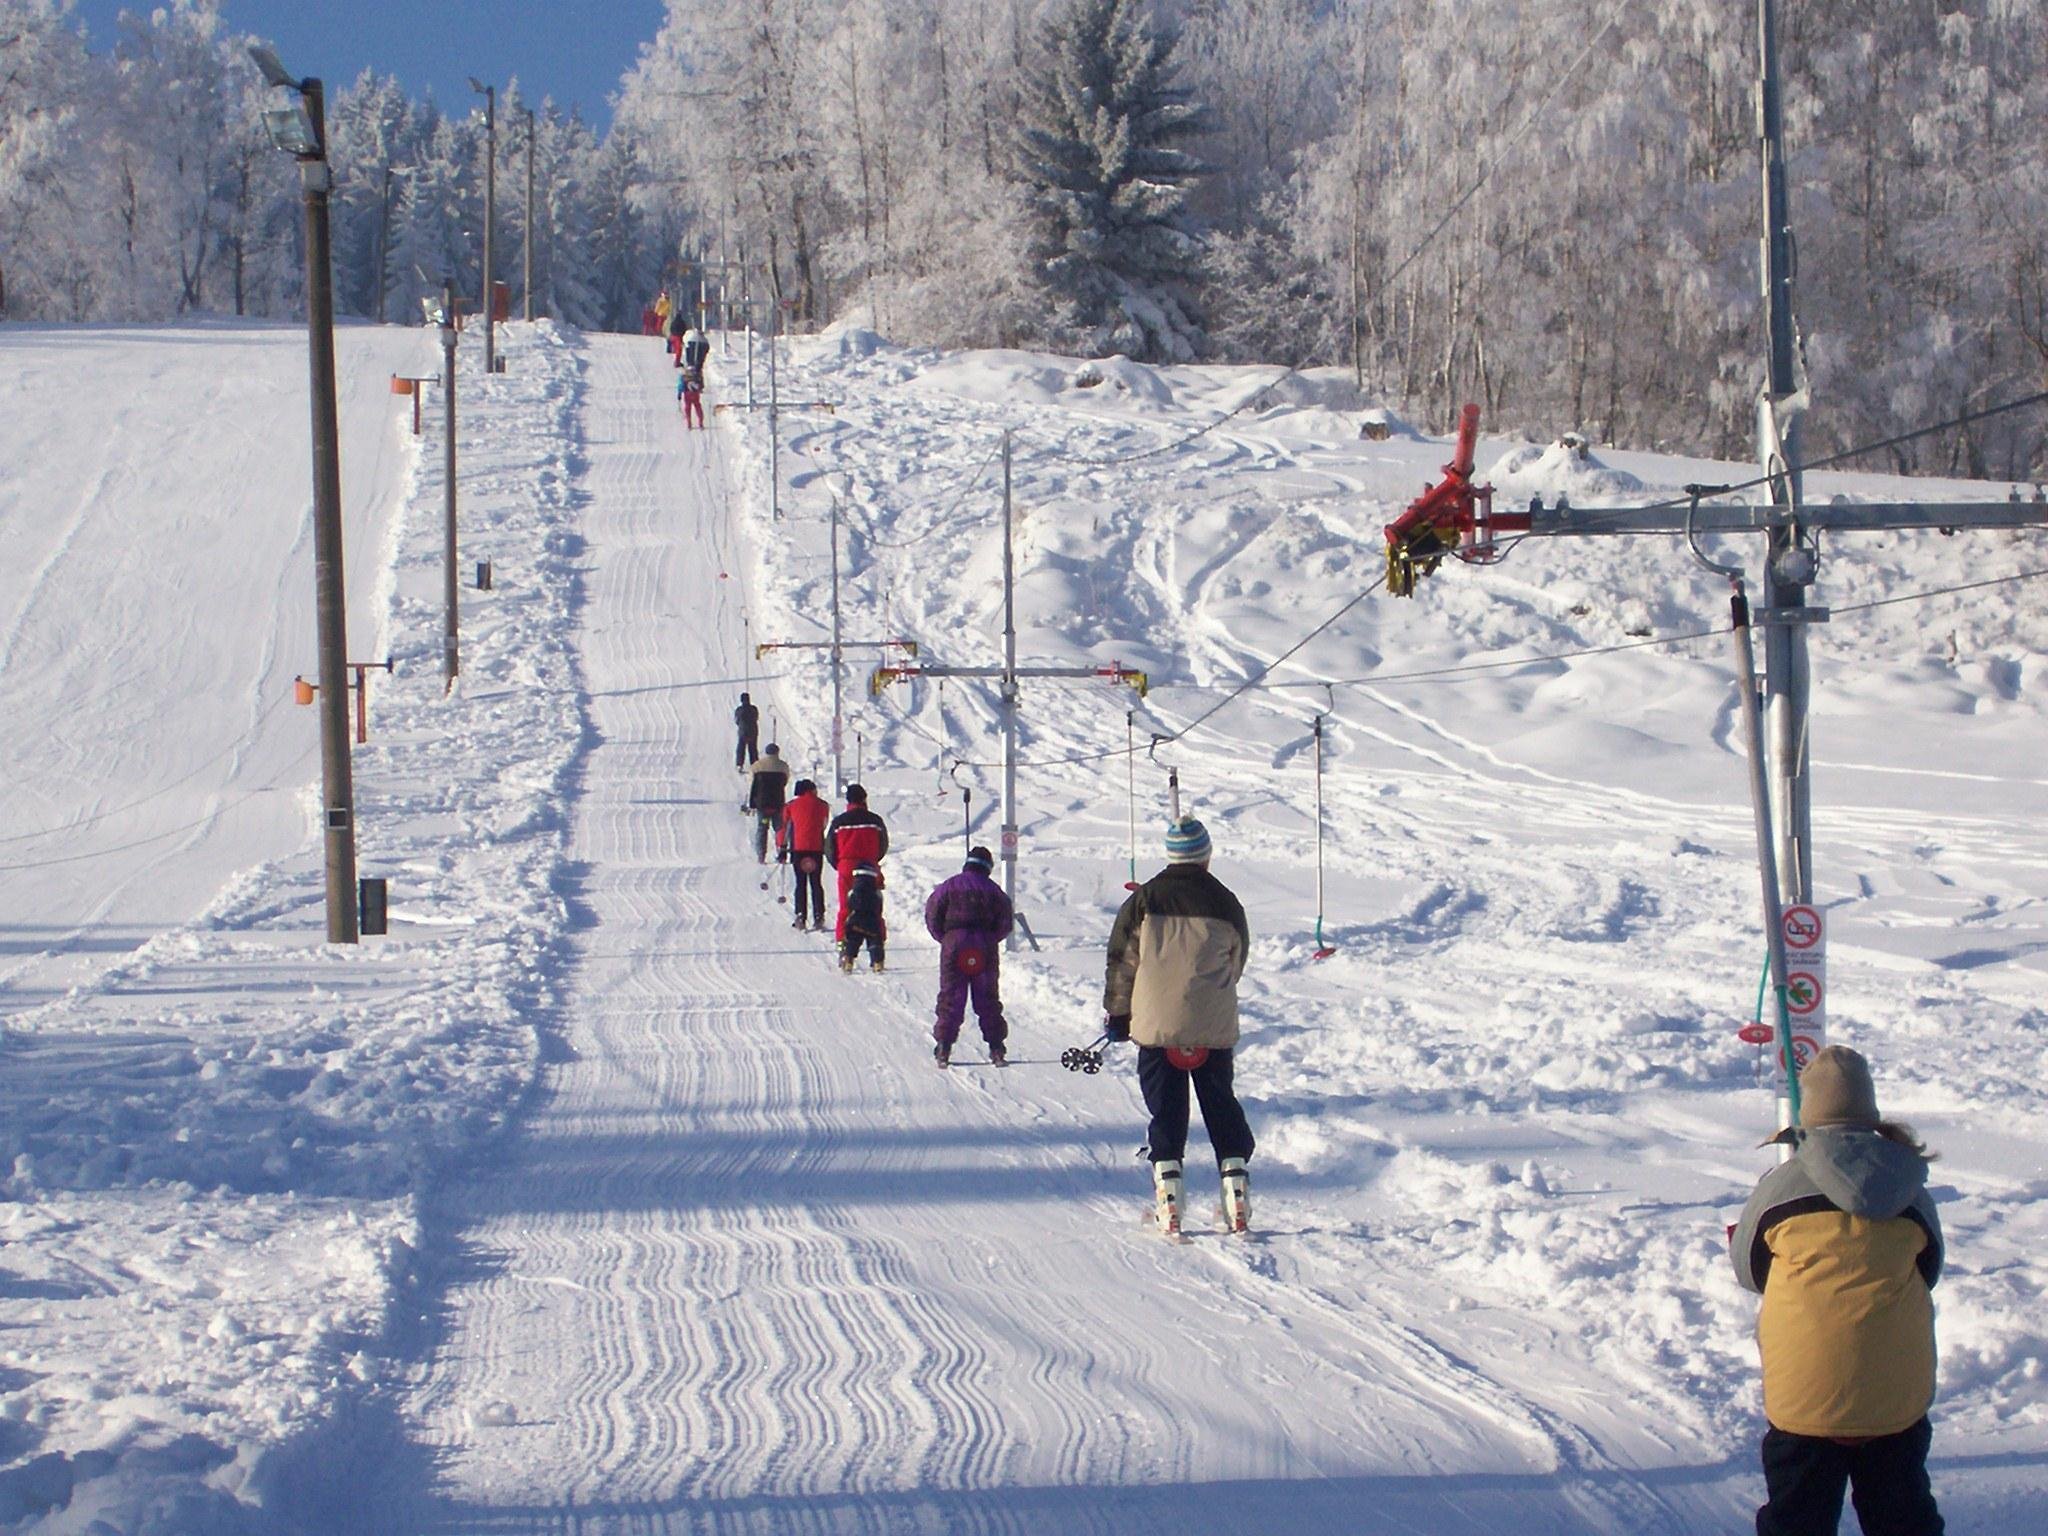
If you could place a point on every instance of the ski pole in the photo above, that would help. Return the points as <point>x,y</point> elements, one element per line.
<point>1085,1058</point>
<point>1323,949</point>
<point>1131,789</point>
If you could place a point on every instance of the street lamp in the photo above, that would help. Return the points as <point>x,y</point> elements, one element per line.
<point>490,96</point>
<point>450,600</point>
<point>300,130</point>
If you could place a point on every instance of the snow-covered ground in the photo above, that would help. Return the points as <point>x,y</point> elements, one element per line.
<point>745,1262</point>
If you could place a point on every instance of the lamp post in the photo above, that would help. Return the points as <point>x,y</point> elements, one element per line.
<point>300,130</point>
<point>490,96</point>
<point>384,235</point>
<point>528,241</point>
<point>450,598</point>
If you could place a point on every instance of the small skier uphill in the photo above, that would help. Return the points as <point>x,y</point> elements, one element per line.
<point>857,836</point>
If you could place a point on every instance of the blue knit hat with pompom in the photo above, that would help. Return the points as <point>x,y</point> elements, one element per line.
<point>1187,842</point>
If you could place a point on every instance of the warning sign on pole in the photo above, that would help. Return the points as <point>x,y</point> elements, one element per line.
<point>1804,994</point>
<point>1805,928</point>
<point>1806,931</point>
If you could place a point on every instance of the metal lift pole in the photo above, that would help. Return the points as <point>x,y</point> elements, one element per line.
<point>1789,566</point>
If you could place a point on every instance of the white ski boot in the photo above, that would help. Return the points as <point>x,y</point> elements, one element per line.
<point>1166,1193</point>
<point>1237,1195</point>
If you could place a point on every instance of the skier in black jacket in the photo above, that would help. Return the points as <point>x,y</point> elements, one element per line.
<point>748,719</point>
<point>767,789</point>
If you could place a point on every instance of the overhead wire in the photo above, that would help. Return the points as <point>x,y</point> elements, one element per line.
<point>1447,673</point>
<point>1856,452</point>
<point>959,499</point>
<point>1115,460</point>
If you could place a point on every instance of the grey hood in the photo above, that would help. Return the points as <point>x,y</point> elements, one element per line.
<point>1843,1168</point>
<point>1863,1173</point>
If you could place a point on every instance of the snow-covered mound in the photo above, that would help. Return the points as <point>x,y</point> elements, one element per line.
<point>1117,375</point>
<point>1567,468</point>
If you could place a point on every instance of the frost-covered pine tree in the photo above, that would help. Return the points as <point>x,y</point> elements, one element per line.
<point>1103,118</point>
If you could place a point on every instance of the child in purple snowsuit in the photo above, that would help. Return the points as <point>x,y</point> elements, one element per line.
<point>970,917</point>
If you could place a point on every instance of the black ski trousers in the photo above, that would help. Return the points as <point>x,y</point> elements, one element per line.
<point>810,883</point>
<point>748,752</point>
<point>849,947</point>
<point>1165,1087</point>
<point>1886,1478</point>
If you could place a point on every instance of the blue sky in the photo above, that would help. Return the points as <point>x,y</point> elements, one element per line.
<point>573,50</point>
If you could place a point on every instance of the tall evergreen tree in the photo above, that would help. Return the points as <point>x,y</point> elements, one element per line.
<point>1104,116</point>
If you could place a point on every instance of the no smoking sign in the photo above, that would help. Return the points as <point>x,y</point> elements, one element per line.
<point>1804,992</point>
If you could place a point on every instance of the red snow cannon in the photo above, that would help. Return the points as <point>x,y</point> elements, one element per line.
<point>1452,517</point>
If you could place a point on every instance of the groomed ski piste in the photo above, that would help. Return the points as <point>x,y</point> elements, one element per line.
<point>595,1198</point>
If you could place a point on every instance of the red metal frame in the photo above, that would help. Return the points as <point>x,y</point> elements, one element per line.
<point>1451,517</point>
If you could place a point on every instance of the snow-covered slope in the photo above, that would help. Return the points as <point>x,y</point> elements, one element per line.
<point>213,1133</point>
<point>749,1264</point>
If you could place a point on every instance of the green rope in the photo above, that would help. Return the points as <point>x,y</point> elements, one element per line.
<point>1763,984</point>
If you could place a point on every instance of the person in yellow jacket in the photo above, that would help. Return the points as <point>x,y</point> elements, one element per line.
<point>1843,1244</point>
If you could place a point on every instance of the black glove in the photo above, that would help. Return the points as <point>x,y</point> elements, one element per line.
<point>1118,1027</point>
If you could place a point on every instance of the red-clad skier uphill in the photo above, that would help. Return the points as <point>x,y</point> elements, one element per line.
<point>857,836</point>
<point>970,917</point>
<point>803,840</point>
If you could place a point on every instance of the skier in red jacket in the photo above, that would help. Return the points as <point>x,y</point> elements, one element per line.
<point>857,836</point>
<point>803,835</point>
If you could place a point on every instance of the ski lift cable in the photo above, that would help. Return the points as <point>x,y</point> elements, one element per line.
<point>1323,949</point>
<point>1113,460</point>
<point>965,491</point>
<point>1131,788</point>
<point>1860,450</point>
<point>1487,170</point>
<point>1467,669</point>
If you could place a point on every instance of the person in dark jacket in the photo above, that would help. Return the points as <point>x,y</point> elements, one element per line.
<point>803,831</point>
<point>970,917</point>
<point>1843,1244</point>
<point>696,353</point>
<point>863,920</point>
<point>857,836</point>
<point>747,721</point>
<point>767,785</point>
<point>1175,955</point>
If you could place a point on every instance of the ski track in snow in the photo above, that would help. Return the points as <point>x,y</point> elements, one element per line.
<point>746,1263</point>
<point>753,1266</point>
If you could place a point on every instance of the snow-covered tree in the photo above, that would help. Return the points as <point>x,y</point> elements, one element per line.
<point>1104,116</point>
<point>43,69</point>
